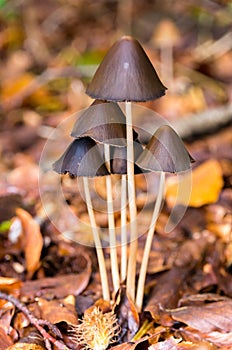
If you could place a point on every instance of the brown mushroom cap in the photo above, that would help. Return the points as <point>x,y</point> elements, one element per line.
<point>165,152</point>
<point>118,163</point>
<point>166,34</point>
<point>81,158</point>
<point>126,74</point>
<point>104,122</point>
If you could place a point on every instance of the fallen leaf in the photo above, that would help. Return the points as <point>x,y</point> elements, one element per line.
<point>169,344</point>
<point>25,346</point>
<point>6,314</point>
<point>5,340</point>
<point>200,299</point>
<point>216,340</point>
<point>141,344</point>
<point>207,318</point>
<point>11,285</point>
<point>25,88</point>
<point>207,182</point>
<point>62,310</point>
<point>123,346</point>
<point>127,315</point>
<point>57,287</point>
<point>189,254</point>
<point>31,239</point>
<point>220,339</point>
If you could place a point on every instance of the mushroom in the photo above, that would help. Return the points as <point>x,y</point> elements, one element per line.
<point>165,153</point>
<point>105,123</point>
<point>166,35</point>
<point>82,158</point>
<point>126,74</point>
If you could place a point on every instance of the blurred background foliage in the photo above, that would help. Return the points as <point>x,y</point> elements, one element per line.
<point>50,50</point>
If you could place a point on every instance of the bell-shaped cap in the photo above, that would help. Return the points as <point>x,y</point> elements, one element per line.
<point>165,152</point>
<point>81,158</point>
<point>166,34</point>
<point>126,74</point>
<point>118,163</point>
<point>104,122</point>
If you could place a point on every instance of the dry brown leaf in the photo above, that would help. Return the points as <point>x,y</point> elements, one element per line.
<point>123,346</point>
<point>5,340</point>
<point>211,322</point>
<point>208,318</point>
<point>62,310</point>
<point>26,87</point>
<point>25,346</point>
<point>196,346</point>
<point>207,182</point>
<point>6,314</point>
<point>169,344</point>
<point>57,287</point>
<point>11,285</point>
<point>127,314</point>
<point>189,254</point>
<point>220,339</point>
<point>32,240</point>
<point>216,339</point>
<point>142,344</point>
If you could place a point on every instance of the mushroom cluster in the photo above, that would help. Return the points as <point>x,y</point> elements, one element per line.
<point>125,75</point>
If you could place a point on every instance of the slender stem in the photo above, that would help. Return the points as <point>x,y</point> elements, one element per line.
<point>131,271</point>
<point>111,225</point>
<point>123,228</point>
<point>97,241</point>
<point>146,252</point>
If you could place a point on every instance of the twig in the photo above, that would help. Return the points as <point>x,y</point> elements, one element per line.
<point>203,122</point>
<point>38,323</point>
<point>197,123</point>
<point>214,49</point>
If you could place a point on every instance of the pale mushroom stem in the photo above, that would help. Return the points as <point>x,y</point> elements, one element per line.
<point>147,248</point>
<point>111,224</point>
<point>166,58</point>
<point>97,242</point>
<point>131,271</point>
<point>123,228</point>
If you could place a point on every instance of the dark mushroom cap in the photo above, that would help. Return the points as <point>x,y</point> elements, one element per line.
<point>104,122</point>
<point>165,152</point>
<point>81,158</point>
<point>118,163</point>
<point>126,74</point>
